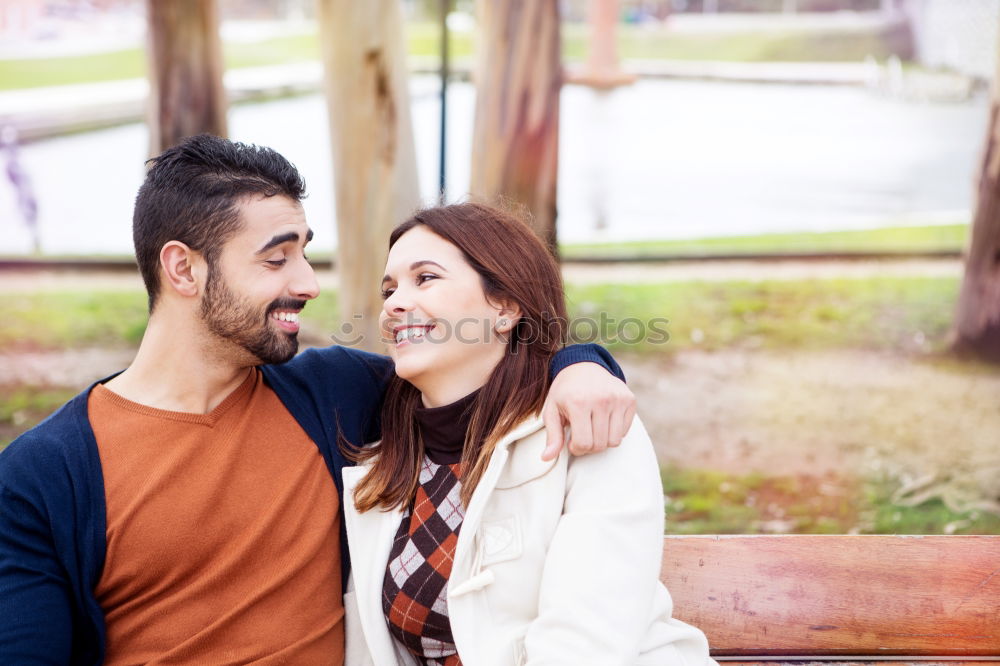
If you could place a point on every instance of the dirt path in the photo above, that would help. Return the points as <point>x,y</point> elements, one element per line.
<point>845,413</point>
<point>717,271</point>
<point>71,368</point>
<point>934,424</point>
<point>926,422</point>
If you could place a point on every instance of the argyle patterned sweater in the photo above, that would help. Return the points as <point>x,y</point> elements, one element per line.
<point>415,588</point>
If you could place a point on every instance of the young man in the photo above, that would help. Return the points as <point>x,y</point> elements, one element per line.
<point>182,511</point>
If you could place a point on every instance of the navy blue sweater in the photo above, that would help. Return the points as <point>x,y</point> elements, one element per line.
<point>52,511</point>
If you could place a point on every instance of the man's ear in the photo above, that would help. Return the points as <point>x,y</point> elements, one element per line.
<point>183,268</point>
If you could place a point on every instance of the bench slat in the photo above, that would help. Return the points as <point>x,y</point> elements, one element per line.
<point>836,595</point>
<point>840,662</point>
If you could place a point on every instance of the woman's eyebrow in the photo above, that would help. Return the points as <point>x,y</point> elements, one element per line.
<point>415,265</point>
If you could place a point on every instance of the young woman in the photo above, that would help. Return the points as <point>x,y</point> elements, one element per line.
<point>468,547</point>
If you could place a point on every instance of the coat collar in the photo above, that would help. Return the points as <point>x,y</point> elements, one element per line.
<point>528,426</point>
<point>523,446</point>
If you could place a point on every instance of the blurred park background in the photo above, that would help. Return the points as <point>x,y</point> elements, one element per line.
<point>807,190</point>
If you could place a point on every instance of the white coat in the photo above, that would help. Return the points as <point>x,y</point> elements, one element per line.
<point>556,563</point>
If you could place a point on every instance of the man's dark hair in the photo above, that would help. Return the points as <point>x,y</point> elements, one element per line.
<point>192,192</point>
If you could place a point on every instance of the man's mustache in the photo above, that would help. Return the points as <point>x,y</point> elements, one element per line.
<point>285,304</point>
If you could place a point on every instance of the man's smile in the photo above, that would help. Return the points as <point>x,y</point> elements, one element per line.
<point>288,320</point>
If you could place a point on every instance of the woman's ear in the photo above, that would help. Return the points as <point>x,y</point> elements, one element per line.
<point>507,317</point>
<point>181,268</point>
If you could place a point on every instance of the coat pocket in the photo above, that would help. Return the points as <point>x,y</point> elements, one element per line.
<point>500,540</point>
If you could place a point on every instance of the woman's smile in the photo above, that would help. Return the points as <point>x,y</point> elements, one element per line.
<point>408,333</point>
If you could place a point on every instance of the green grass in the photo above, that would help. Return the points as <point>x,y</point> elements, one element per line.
<point>49,320</point>
<point>900,239</point>
<point>37,72</point>
<point>55,320</point>
<point>422,40</point>
<point>131,63</point>
<point>701,501</point>
<point>760,46</point>
<point>935,238</point>
<point>864,313</point>
<point>930,517</point>
<point>21,407</point>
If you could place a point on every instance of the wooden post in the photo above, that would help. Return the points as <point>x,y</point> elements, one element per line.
<point>603,69</point>
<point>977,322</point>
<point>374,159</point>
<point>515,140</point>
<point>186,93</point>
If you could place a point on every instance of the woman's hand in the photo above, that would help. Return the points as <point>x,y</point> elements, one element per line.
<point>597,406</point>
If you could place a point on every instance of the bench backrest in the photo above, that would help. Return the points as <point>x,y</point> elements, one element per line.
<point>838,596</point>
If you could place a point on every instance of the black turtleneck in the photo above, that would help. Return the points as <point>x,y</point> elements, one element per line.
<point>443,429</point>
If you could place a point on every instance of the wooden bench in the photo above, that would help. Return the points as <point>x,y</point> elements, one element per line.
<point>802,598</point>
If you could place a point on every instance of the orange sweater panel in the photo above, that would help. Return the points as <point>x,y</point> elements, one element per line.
<point>222,534</point>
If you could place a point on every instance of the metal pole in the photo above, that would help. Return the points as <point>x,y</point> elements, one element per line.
<point>26,201</point>
<point>442,194</point>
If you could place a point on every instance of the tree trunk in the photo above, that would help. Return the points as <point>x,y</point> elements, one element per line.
<point>374,159</point>
<point>977,322</point>
<point>186,93</point>
<point>515,145</point>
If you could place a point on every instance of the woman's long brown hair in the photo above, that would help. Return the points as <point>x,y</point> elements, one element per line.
<point>514,267</point>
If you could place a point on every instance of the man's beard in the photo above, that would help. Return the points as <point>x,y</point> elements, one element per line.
<point>234,319</point>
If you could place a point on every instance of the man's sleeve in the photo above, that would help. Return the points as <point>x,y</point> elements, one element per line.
<point>368,375</point>
<point>36,625</point>
<point>592,353</point>
<point>347,386</point>
<point>379,371</point>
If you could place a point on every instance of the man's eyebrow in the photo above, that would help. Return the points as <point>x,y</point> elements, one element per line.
<point>415,265</point>
<point>284,238</point>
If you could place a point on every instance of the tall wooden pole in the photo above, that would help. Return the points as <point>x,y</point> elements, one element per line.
<point>186,93</point>
<point>515,144</point>
<point>374,159</point>
<point>977,322</point>
<point>603,69</point>
<point>445,8</point>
